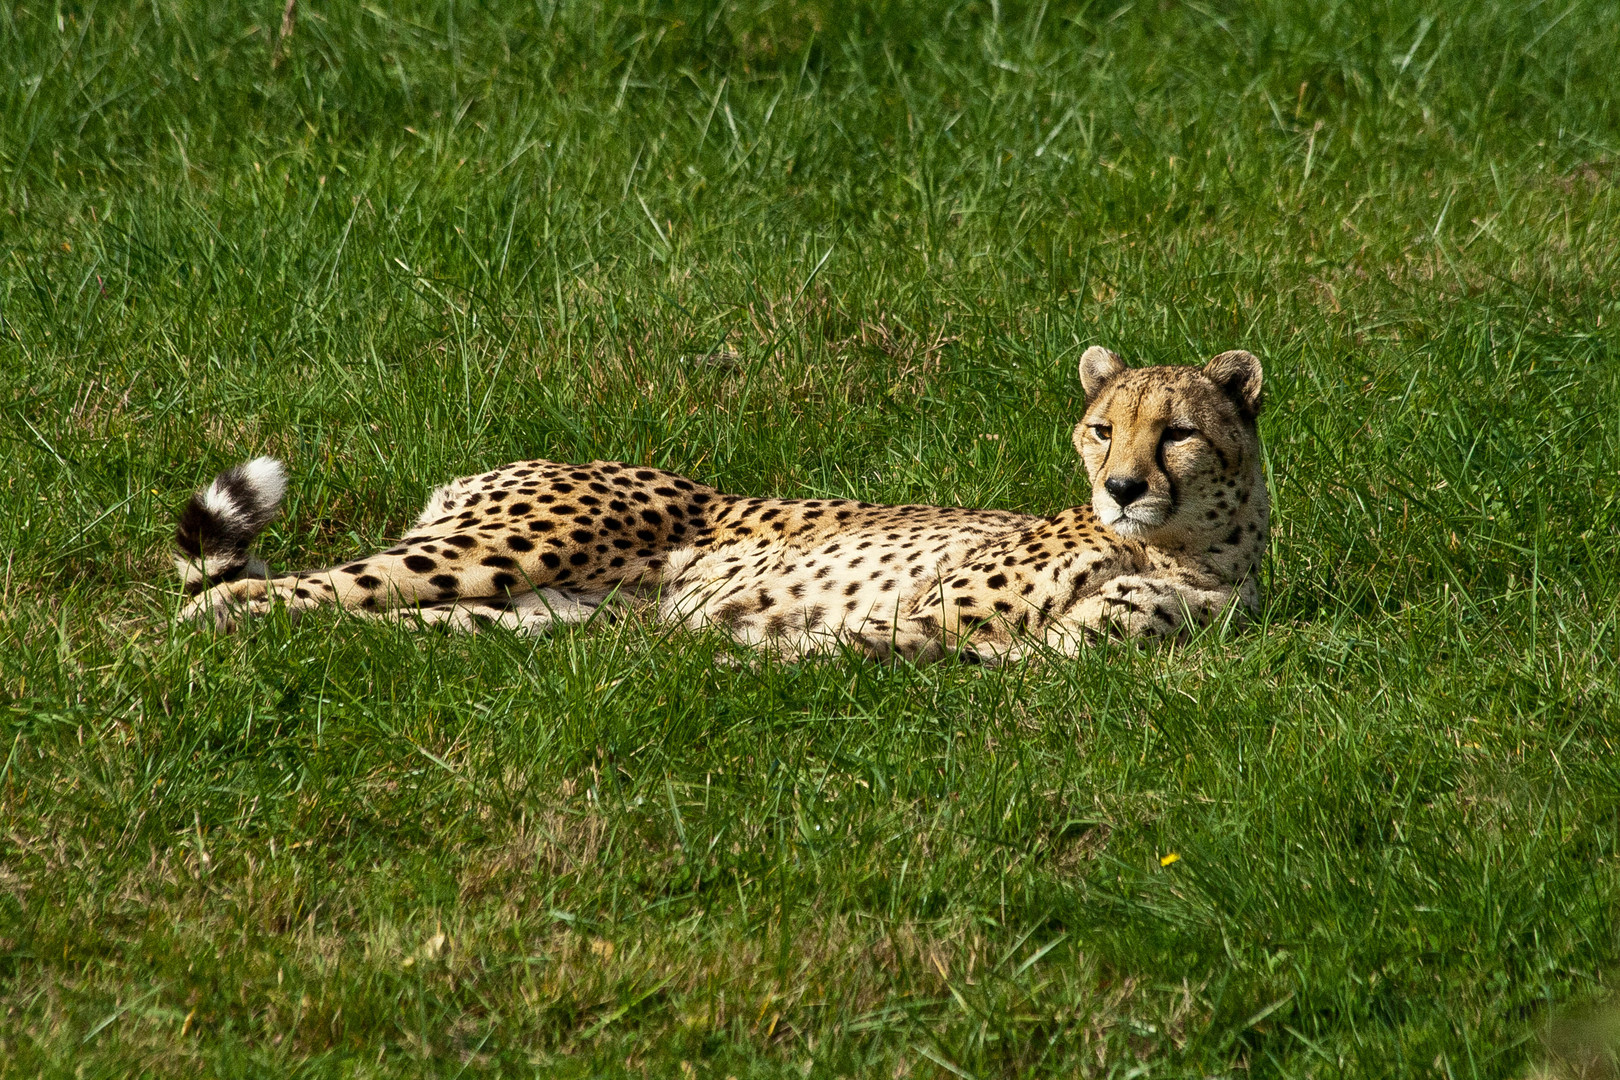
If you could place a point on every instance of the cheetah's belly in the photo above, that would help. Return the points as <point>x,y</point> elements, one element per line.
<point>808,597</point>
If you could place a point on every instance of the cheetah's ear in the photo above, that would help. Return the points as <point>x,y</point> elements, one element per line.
<point>1238,374</point>
<point>1097,366</point>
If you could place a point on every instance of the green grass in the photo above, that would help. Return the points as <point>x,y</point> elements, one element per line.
<point>808,250</point>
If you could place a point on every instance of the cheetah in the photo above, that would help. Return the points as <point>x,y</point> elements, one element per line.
<point>1171,540</point>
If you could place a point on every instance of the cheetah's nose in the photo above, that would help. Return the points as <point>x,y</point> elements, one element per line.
<point>1123,491</point>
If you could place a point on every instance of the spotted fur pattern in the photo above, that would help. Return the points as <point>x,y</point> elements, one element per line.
<point>1172,539</point>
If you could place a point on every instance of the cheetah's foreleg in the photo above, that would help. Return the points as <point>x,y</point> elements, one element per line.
<point>1133,606</point>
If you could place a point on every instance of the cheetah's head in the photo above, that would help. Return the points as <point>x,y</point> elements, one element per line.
<point>1173,452</point>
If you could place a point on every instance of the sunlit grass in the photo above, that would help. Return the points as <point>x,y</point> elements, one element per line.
<point>808,250</point>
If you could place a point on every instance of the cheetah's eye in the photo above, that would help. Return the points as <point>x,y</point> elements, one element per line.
<point>1179,434</point>
<point>1103,432</point>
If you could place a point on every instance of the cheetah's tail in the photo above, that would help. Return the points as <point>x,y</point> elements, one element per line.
<point>217,527</point>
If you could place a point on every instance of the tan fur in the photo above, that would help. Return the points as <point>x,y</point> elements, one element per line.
<point>535,542</point>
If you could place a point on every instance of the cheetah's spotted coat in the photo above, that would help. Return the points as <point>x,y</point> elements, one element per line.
<point>1173,536</point>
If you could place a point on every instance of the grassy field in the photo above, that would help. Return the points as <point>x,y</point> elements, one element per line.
<point>809,250</point>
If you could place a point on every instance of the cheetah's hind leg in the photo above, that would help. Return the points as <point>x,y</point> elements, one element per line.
<point>527,613</point>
